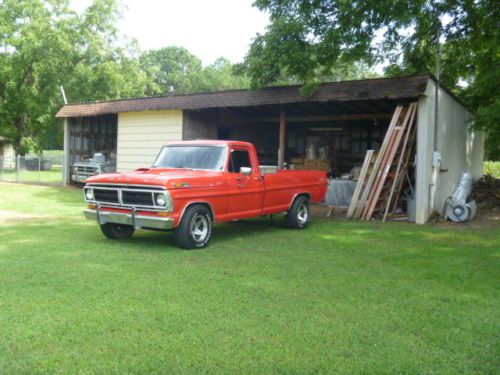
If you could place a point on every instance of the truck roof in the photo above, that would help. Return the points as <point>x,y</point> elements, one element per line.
<point>208,142</point>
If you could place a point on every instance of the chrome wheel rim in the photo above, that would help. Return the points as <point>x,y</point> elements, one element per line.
<point>199,228</point>
<point>302,214</point>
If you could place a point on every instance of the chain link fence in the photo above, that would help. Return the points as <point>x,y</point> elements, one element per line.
<point>43,170</point>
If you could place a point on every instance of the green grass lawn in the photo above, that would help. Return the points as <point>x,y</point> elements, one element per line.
<point>52,176</point>
<point>339,297</point>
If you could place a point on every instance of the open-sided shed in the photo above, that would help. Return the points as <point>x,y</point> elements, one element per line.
<point>330,129</point>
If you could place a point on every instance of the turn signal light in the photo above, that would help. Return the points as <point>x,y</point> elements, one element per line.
<point>92,206</point>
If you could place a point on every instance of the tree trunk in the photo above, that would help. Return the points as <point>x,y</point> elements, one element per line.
<point>21,128</point>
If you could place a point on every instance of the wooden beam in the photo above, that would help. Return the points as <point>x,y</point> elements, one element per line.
<point>66,156</point>
<point>281,150</point>
<point>348,117</point>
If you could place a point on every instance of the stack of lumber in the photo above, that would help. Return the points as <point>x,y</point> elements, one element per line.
<point>383,174</point>
<point>311,164</point>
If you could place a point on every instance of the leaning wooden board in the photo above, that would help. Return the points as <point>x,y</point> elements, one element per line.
<point>378,160</point>
<point>361,183</point>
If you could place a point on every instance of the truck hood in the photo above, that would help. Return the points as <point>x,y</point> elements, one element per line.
<point>166,177</point>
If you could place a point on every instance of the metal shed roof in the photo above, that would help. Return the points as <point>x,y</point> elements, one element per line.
<point>366,89</point>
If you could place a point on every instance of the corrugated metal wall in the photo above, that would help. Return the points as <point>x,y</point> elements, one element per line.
<point>142,134</point>
<point>461,150</point>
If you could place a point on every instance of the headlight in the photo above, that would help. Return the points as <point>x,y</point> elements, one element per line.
<point>164,200</point>
<point>75,169</point>
<point>160,200</point>
<point>89,194</point>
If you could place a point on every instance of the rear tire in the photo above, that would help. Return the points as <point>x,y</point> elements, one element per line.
<point>117,231</point>
<point>299,214</point>
<point>195,228</point>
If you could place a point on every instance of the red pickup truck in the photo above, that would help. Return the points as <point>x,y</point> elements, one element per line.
<point>192,185</point>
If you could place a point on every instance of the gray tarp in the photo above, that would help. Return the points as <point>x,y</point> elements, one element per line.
<point>340,192</point>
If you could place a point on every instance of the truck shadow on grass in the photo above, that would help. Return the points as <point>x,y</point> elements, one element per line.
<point>221,233</point>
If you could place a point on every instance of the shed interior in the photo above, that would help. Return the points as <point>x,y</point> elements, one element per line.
<point>90,135</point>
<point>332,136</point>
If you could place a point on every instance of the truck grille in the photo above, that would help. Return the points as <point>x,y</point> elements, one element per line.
<point>106,196</point>
<point>137,198</point>
<point>83,169</point>
<point>126,195</point>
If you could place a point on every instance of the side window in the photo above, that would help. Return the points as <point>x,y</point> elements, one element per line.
<point>239,158</point>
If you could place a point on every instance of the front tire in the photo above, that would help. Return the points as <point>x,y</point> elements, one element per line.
<point>117,231</point>
<point>299,215</point>
<point>195,228</point>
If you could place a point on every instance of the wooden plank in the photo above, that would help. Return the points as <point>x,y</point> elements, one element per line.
<point>373,199</point>
<point>361,182</point>
<point>398,177</point>
<point>281,150</point>
<point>385,165</point>
<point>378,160</point>
<point>404,172</point>
<point>383,172</point>
<point>319,118</point>
<point>377,180</point>
<point>330,212</point>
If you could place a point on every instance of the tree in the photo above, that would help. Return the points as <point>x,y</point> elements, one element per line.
<point>175,69</point>
<point>43,44</point>
<point>308,39</point>
<point>178,71</point>
<point>221,75</point>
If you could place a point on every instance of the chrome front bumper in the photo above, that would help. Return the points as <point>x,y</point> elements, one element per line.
<point>80,178</point>
<point>137,221</point>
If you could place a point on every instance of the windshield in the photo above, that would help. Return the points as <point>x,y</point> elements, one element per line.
<point>192,157</point>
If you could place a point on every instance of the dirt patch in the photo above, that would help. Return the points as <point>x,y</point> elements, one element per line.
<point>14,216</point>
<point>485,218</point>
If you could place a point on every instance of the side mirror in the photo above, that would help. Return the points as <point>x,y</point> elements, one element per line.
<point>247,171</point>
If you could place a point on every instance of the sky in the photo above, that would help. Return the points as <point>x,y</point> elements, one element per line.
<point>207,28</point>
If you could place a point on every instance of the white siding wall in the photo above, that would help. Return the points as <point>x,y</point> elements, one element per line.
<point>425,141</point>
<point>9,156</point>
<point>461,150</point>
<point>142,134</point>
<point>9,152</point>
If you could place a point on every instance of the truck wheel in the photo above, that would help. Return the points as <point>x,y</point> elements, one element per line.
<point>299,214</point>
<point>195,228</point>
<point>117,231</point>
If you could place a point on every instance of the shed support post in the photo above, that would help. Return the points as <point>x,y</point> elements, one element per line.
<point>281,150</point>
<point>65,161</point>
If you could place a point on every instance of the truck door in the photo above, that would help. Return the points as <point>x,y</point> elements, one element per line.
<point>246,193</point>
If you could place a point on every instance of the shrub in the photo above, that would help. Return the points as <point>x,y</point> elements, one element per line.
<point>492,168</point>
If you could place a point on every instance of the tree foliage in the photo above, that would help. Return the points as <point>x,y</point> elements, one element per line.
<point>310,39</point>
<point>177,71</point>
<point>174,69</point>
<point>44,44</point>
